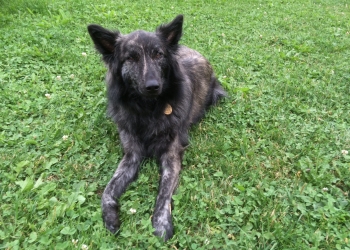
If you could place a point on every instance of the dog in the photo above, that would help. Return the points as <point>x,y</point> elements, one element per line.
<point>156,89</point>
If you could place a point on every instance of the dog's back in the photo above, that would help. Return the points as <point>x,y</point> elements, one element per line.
<point>200,81</point>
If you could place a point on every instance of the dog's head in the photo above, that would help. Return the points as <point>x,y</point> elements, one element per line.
<point>140,60</point>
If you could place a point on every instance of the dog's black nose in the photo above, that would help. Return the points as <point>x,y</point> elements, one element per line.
<point>152,85</point>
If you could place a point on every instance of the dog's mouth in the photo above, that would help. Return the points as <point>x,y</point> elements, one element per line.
<point>151,94</point>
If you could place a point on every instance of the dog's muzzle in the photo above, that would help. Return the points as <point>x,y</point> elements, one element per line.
<point>152,87</point>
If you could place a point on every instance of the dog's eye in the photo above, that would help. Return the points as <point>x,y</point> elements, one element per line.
<point>158,55</point>
<point>130,58</point>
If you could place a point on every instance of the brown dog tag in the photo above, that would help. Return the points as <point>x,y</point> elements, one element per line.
<point>168,109</point>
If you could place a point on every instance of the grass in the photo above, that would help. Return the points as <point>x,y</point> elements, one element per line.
<point>267,169</point>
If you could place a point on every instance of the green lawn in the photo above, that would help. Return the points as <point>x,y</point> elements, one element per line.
<point>267,169</point>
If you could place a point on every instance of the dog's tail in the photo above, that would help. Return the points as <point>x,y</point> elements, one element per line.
<point>218,92</point>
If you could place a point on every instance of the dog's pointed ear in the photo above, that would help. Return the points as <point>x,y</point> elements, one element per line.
<point>103,39</point>
<point>171,32</point>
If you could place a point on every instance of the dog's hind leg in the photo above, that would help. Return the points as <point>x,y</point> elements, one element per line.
<point>124,175</point>
<point>170,169</point>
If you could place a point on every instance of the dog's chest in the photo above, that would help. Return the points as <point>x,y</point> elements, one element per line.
<point>153,134</point>
<point>149,126</point>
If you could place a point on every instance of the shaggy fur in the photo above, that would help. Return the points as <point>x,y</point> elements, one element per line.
<point>147,74</point>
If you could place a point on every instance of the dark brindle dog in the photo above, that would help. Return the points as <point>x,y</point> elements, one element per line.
<point>156,89</point>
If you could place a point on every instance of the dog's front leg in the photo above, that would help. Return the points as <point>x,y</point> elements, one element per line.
<point>170,169</point>
<point>124,175</point>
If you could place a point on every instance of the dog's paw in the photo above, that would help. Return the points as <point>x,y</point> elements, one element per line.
<point>163,225</point>
<point>110,216</point>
